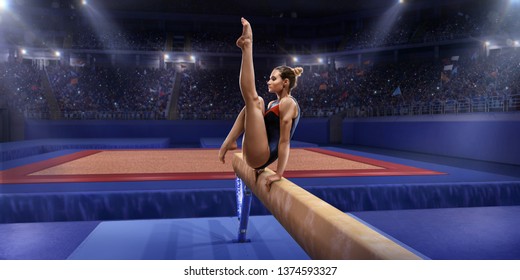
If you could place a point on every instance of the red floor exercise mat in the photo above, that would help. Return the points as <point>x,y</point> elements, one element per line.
<point>191,164</point>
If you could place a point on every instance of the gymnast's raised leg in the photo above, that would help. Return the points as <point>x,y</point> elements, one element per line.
<point>251,119</point>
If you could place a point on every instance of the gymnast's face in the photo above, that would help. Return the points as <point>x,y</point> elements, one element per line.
<point>275,84</point>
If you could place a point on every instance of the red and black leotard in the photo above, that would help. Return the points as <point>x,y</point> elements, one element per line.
<point>272,125</point>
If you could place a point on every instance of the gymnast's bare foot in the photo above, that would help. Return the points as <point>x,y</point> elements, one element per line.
<point>246,40</point>
<point>224,148</point>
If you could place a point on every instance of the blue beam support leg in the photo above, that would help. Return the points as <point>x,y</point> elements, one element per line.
<point>244,198</point>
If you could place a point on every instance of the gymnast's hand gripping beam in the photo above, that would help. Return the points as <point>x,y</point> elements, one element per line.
<point>320,229</point>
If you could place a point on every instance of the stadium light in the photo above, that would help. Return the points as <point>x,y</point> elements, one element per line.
<point>166,56</point>
<point>3,5</point>
<point>57,54</point>
<point>84,2</point>
<point>516,43</point>
<point>320,60</point>
<point>295,59</point>
<point>487,43</point>
<point>23,51</point>
<point>192,57</point>
<point>401,1</point>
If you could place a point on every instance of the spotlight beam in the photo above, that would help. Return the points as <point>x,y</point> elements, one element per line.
<point>3,5</point>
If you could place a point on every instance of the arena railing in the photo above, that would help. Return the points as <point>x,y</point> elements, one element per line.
<point>448,106</point>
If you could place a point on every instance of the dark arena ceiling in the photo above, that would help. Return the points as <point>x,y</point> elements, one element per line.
<point>265,8</point>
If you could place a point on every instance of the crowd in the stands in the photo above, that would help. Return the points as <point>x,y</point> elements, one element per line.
<point>21,90</point>
<point>144,93</point>
<point>363,88</point>
<point>463,78</point>
<point>111,93</point>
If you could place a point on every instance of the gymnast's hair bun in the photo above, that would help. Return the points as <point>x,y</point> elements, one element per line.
<point>298,71</point>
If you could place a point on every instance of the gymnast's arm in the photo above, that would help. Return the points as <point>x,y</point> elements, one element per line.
<point>288,112</point>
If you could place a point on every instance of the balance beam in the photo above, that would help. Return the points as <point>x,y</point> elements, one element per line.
<point>320,229</point>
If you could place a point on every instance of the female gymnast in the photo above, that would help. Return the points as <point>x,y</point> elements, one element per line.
<point>267,135</point>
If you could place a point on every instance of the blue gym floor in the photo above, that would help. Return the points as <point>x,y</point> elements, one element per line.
<point>474,233</point>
